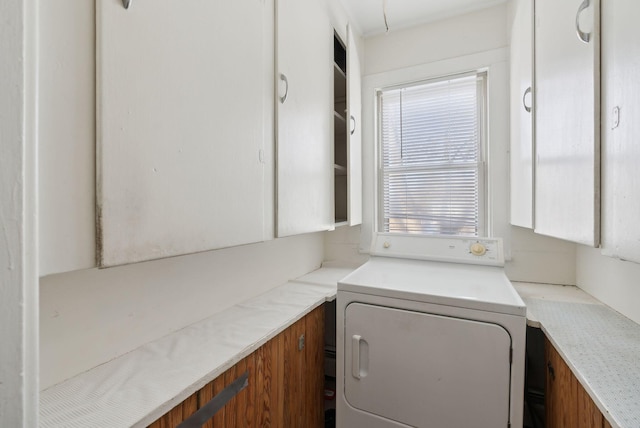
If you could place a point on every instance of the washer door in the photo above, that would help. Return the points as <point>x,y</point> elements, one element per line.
<point>426,370</point>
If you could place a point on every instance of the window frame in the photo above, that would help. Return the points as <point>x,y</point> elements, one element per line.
<point>484,224</point>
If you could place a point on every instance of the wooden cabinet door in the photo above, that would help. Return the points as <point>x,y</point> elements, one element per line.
<point>521,158</point>
<point>303,382</point>
<point>184,111</point>
<point>567,113</point>
<point>561,392</point>
<point>313,372</point>
<point>588,414</point>
<point>304,114</point>
<point>620,110</point>
<point>293,385</point>
<point>354,113</point>
<point>285,383</point>
<point>567,403</point>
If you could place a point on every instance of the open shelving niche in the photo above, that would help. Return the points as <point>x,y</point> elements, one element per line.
<point>341,128</point>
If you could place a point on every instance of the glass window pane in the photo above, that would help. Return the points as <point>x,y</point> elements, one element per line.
<point>431,157</point>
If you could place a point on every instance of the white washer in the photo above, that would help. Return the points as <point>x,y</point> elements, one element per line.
<point>430,333</point>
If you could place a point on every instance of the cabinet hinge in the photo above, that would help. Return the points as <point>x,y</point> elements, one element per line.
<point>301,343</point>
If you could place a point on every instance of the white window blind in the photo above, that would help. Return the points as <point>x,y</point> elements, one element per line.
<point>432,165</point>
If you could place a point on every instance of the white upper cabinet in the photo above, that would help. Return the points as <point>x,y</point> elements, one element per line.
<point>567,82</point>
<point>621,129</point>
<point>185,124</point>
<point>347,143</point>
<point>354,112</point>
<point>521,147</point>
<point>304,76</point>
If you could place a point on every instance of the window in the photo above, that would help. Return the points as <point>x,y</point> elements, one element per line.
<point>431,172</point>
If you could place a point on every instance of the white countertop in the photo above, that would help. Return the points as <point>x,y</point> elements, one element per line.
<point>137,388</point>
<point>550,293</point>
<point>601,346</point>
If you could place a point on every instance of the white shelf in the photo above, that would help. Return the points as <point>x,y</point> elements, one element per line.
<point>339,83</point>
<point>339,169</point>
<point>338,70</point>
<point>340,129</point>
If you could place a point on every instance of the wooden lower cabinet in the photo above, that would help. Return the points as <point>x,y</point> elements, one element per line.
<point>567,403</point>
<point>286,384</point>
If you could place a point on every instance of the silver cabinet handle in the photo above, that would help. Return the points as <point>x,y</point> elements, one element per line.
<point>286,90</point>
<point>126,3</point>
<point>524,103</point>
<point>353,119</point>
<point>585,37</point>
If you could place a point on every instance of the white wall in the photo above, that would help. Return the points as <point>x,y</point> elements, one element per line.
<point>471,41</point>
<point>343,246</point>
<point>435,41</point>
<point>614,282</point>
<point>90,316</point>
<point>540,259</point>
<point>340,19</point>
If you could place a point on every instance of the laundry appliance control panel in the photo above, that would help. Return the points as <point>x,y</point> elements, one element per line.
<point>481,251</point>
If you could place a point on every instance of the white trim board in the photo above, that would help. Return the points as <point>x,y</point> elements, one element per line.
<point>18,220</point>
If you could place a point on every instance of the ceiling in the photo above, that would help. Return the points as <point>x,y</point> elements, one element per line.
<point>405,13</point>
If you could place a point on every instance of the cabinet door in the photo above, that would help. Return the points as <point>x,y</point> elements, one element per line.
<point>521,170</point>
<point>561,391</point>
<point>293,385</point>
<point>567,403</point>
<point>313,372</point>
<point>354,155</point>
<point>184,110</point>
<point>285,383</point>
<point>304,115</point>
<point>567,121</point>
<point>303,380</point>
<point>621,129</point>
